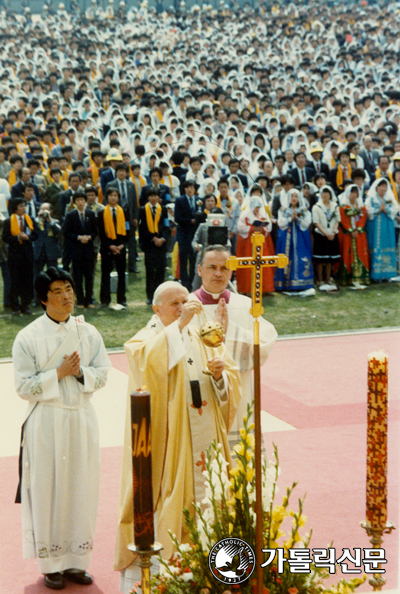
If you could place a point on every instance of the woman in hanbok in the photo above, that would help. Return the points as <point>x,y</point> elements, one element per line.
<point>294,220</point>
<point>354,266</point>
<point>382,209</point>
<point>254,218</point>
<point>326,253</point>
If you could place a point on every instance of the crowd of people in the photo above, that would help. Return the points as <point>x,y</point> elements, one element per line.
<point>125,130</point>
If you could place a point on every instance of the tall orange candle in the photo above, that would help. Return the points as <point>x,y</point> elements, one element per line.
<point>377,439</point>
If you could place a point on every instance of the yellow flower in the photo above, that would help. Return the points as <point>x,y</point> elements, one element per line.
<point>239,449</point>
<point>235,472</point>
<point>279,513</point>
<point>249,455</point>
<point>288,544</point>
<point>250,440</point>
<point>285,501</point>
<point>251,427</point>
<point>230,527</point>
<point>231,502</point>
<point>296,537</point>
<point>302,520</point>
<point>249,475</point>
<point>239,493</point>
<point>243,433</point>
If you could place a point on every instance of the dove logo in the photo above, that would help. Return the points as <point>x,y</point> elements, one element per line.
<point>231,561</point>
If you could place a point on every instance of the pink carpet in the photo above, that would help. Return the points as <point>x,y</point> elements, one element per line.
<point>319,386</point>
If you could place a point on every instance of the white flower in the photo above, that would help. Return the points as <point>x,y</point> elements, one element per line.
<point>185,547</point>
<point>187,576</point>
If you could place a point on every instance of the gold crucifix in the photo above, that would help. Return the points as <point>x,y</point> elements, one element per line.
<point>257,262</point>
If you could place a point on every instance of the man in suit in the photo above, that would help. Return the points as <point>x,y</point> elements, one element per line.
<point>316,163</point>
<point>113,237</point>
<point>370,156</point>
<point>24,178</point>
<point>301,173</point>
<point>80,228</point>
<point>19,231</point>
<point>32,206</point>
<point>108,175</point>
<point>46,248</point>
<point>36,178</point>
<point>193,173</point>
<point>129,202</point>
<point>66,202</point>
<point>153,239</point>
<point>155,180</point>
<point>185,211</point>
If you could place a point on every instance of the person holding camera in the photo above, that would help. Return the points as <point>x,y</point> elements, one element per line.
<point>46,248</point>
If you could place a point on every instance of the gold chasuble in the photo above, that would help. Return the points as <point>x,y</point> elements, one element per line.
<point>181,431</point>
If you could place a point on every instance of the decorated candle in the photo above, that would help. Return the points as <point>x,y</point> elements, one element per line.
<point>143,521</point>
<point>377,439</point>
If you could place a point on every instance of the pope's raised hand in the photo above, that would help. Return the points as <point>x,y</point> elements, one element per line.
<point>189,309</point>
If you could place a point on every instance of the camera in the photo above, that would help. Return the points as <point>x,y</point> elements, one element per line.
<point>46,214</point>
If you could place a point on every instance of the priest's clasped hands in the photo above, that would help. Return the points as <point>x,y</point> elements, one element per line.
<point>70,366</point>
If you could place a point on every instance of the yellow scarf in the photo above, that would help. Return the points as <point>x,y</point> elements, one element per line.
<point>152,224</point>
<point>378,173</point>
<point>170,180</point>
<point>14,225</point>
<point>339,175</point>
<point>109,227</point>
<point>12,178</point>
<point>142,183</point>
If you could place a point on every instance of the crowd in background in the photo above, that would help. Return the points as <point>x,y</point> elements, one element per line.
<point>124,132</point>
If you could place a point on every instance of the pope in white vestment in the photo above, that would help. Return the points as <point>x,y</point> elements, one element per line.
<point>233,311</point>
<point>60,454</point>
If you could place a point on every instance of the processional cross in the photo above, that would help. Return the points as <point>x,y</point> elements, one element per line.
<point>257,262</point>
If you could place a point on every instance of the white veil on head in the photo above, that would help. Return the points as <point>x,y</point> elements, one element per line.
<point>344,198</point>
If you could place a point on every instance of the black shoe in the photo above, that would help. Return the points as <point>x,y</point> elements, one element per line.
<point>103,305</point>
<point>134,269</point>
<point>79,577</point>
<point>56,581</point>
<point>149,302</point>
<point>26,311</point>
<point>15,312</point>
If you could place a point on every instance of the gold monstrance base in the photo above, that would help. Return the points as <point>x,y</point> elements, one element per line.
<point>145,563</point>
<point>376,534</point>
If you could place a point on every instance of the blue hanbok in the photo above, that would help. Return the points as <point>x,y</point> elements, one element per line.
<point>381,232</point>
<point>295,242</point>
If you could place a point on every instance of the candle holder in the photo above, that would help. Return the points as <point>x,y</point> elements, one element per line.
<point>145,563</point>
<point>376,533</point>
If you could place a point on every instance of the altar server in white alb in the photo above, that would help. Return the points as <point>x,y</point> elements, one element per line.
<point>233,312</point>
<point>59,361</point>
